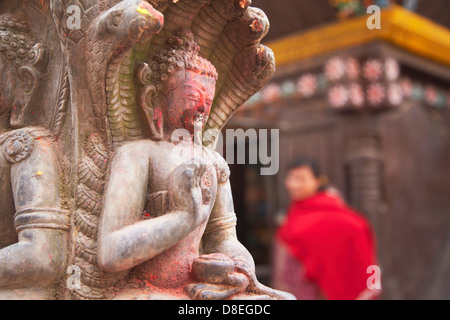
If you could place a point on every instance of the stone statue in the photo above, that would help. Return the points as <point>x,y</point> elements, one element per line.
<point>33,225</point>
<point>190,206</point>
<point>145,222</point>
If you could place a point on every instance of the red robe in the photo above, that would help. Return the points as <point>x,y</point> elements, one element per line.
<point>334,244</point>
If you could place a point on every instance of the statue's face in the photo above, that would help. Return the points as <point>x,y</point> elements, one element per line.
<point>187,100</point>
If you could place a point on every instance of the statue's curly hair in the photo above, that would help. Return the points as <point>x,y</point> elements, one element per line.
<point>15,42</point>
<point>181,52</point>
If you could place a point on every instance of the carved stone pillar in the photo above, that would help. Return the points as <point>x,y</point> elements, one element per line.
<point>364,173</point>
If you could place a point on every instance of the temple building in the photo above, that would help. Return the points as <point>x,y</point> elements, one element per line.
<point>372,104</point>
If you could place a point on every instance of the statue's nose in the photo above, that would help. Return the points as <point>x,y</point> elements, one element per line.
<point>201,108</point>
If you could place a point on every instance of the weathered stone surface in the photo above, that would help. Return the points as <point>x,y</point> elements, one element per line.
<point>102,200</point>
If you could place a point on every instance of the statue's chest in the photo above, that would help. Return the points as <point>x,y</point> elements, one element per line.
<point>169,156</point>
<point>158,197</point>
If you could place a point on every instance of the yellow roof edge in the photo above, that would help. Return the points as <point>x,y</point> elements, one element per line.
<point>399,26</point>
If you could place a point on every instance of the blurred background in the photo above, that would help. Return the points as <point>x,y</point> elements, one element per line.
<point>373,107</point>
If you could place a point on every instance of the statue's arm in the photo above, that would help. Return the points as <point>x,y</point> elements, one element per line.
<point>40,253</point>
<point>220,234</point>
<point>220,237</point>
<point>125,240</point>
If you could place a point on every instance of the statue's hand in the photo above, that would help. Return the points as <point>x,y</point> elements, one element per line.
<point>216,278</point>
<point>235,283</point>
<point>258,288</point>
<point>185,191</point>
<point>219,277</point>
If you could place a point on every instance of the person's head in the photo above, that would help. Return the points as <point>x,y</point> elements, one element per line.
<point>179,85</point>
<point>22,60</point>
<point>304,179</point>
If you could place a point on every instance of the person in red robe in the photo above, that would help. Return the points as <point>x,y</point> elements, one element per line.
<point>332,243</point>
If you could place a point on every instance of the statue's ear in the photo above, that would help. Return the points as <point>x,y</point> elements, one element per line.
<point>28,79</point>
<point>28,85</point>
<point>148,105</point>
<point>29,82</point>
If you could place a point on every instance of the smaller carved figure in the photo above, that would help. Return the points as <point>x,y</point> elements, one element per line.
<point>33,237</point>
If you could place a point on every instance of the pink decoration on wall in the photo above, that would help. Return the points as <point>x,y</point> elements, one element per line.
<point>431,95</point>
<point>335,69</point>
<point>407,87</point>
<point>307,85</point>
<point>352,68</point>
<point>375,93</point>
<point>392,69</point>
<point>338,96</point>
<point>356,95</point>
<point>373,70</point>
<point>271,93</point>
<point>395,94</point>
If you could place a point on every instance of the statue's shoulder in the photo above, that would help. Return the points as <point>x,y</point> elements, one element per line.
<point>17,145</point>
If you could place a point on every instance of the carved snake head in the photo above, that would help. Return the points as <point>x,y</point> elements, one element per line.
<point>131,19</point>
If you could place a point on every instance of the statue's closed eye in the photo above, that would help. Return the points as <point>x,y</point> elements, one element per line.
<point>193,97</point>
